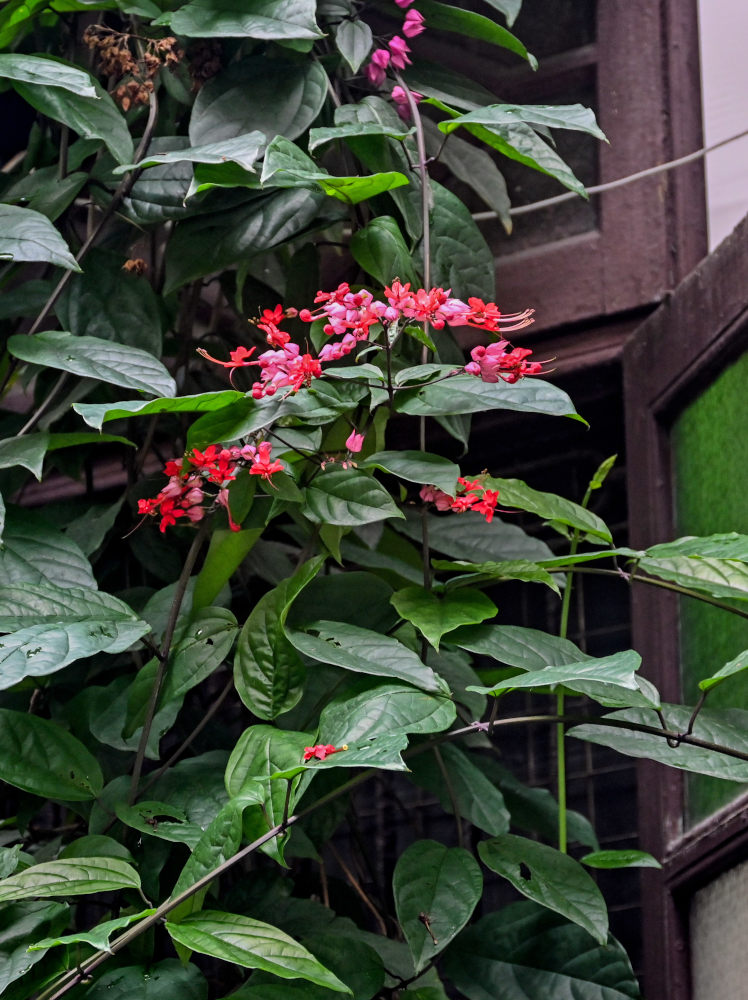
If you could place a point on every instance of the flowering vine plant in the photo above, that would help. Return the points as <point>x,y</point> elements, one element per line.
<point>247,601</point>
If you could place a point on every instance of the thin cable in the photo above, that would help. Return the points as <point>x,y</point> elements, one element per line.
<point>535,206</point>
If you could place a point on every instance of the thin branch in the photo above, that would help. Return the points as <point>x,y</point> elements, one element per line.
<point>452,796</point>
<point>359,890</point>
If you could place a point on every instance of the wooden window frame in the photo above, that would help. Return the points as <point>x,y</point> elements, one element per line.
<point>674,355</point>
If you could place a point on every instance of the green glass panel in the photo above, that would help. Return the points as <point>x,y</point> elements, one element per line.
<point>710,462</point>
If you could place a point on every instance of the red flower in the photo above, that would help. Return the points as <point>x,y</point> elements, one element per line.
<point>321,750</point>
<point>262,466</point>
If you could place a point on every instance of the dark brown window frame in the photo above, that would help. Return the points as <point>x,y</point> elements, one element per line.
<point>675,354</point>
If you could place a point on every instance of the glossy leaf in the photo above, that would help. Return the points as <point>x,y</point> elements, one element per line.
<point>45,72</point>
<point>352,960</point>
<point>92,357</point>
<point>366,652</point>
<point>98,937</point>
<point>381,752</point>
<point>155,981</point>
<point>461,257</point>
<point>36,552</point>
<point>74,877</point>
<point>356,598</point>
<point>379,248</point>
<point>442,883</point>
<point>28,451</point>
<point>367,711</point>
<point>436,614</point>
<point>251,944</point>
<point>268,672</point>
<point>91,117</point>
<point>42,758</point>
<point>735,666</point>
<point>354,40</point>
<point>226,552</point>
<point>524,950</point>
<point>353,130</point>
<point>724,729</point>
<point>477,799</point>
<point>725,546</point>
<point>243,150</point>
<point>470,537</point>
<point>618,670</point>
<point>515,493</point>
<point>569,116</point>
<point>348,497</point>
<point>446,18</point>
<point>219,842</point>
<point>620,859</point>
<point>21,923</point>
<point>516,646</point>
<point>159,819</point>
<point>518,569</point>
<point>416,467</point>
<point>550,878</point>
<point>201,650</point>
<point>717,577</point>
<point>96,414</point>
<point>468,394</point>
<point>271,20</point>
<point>26,235</point>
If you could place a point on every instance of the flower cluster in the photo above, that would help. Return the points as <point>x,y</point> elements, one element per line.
<point>471,495</point>
<point>204,477</point>
<point>321,750</point>
<point>136,74</point>
<point>396,56</point>
<point>496,362</point>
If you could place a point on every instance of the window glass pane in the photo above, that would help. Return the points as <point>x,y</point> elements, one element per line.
<point>718,917</point>
<point>710,463</point>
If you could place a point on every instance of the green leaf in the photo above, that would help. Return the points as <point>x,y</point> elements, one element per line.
<point>524,950</point>
<point>442,883</point>
<point>379,248</point>
<point>468,394</point>
<point>470,537</point>
<point>159,819</point>
<point>477,799</point>
<point>91,117</point>
<point>237,233</point>
<point>353,40</point>
<point>268,672</point>
<point>243,150</point>
<point>34,551</point>
<point>26,235</point>
<point>354,597</point>
<point>526,648</point>
<point>42,758</point>
<point>550,878</point>
<point>75,877</point>
<point>219,842</point>
<point>92,357</point>
<point>445,18</point>
<point>516,493</point>
<point>518,569</point>
<point>95,845</point>
<point>46,72</point>
<point>620,859</point>
<point>92,623</point>
<point>348,497</point>
<point>434,614</point>
<point>724,728</point>
<point>271,20</point>
<point>568,116</point>
<point>461,258</point>
<point>157,981</point>
<point>365,652</point>
<point>736,666</point>
<point>725,546</point>
<point>251,944</point>
<point>97,414</point>
<point>718,577</point>
<point>225,554</point>
<point>382,752</point>
<point>416,467</point>
<point>98,937</point>
<point>509,8</point>
<point>19,924</point>
<point>286,99</point>
<point>28,451</point>
<point>366,711</point>
<point>200,651</point>
<point>353,961</point>
<point>355,130</point>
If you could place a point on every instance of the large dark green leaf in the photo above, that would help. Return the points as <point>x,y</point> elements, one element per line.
<point>718,577</point>
<point>268,672</point>
<point>156,981</point>
<point>28,451</point>
<point>46,72</point>
<point>550,878</point>
<point>353,130</point>
<point>20,924</point>
<point>461,258</point>
<point>42,758</point>
<point>285,99</point>
<point>219,842</point>
<point>568,116</point>
<point>476,799</point>
<point>467,536</point>
<point>253,945</point>
<point>28,235</point>
<point>516,493</point>
<point>352,960</point>
<point>108,303</point>
<point>468,394</point>
<point>353,597</point>
<point>526,648</point>
<point>529,952</point>
<point>242,150</point>
<point>92,357</point>
<point>96,414</point>
<point>436,614</point>
<point>465,22</point>
<point>234,234</point>
<point>618,670</point>
<point>367,711</point>
<point>381,251</point>
<point>159,819</point>
<point>200,651</point>
<point>91,117</point>
<point>271,20</point>
<point>34,551</point>
<point>730,545</point>
<point>416,467</point>
<point>225,554</point>
<point>71,877</point>
<point>365,652</point>
<point>724,728</point>
<point>348,497</point>
<point>517,569</point>
<point>441,883</point>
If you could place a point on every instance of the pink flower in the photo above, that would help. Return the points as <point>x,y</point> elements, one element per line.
<point>403,3</point>
<point>493,363</point>
<point>355,442</point>
<point>400,97</point>
<point>223,500</point>
<point>414,24</point>
<point>262,466</point>
<point>399,50</point>
<point>375,71</point>
<point>321,750</point>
